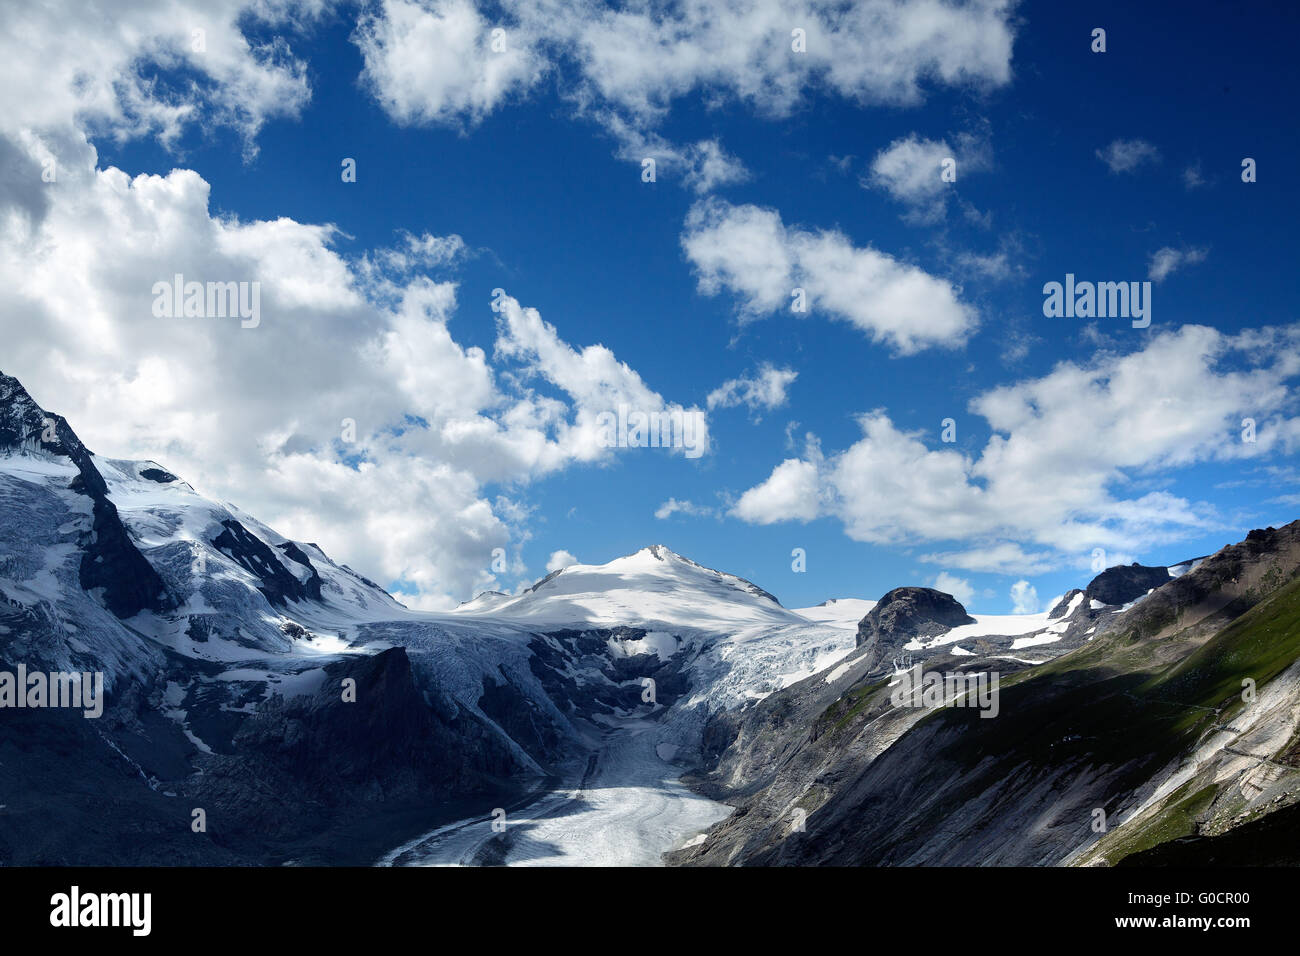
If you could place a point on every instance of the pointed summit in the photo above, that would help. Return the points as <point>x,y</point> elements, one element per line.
<point>25,425</point>
<point>110,559</point>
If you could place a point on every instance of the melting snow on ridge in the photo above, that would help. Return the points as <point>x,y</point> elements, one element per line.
<point>986,625</point>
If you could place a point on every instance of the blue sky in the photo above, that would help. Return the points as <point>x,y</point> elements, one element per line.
<point>548,199</point>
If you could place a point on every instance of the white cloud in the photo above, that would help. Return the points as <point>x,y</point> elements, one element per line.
<point>960,588</point>
<point>1126,155</point>
<point>672,506</point>
<point>1064,451</point>
<point>256,415</point>
<point>764,390</point>
<point>107,66</point>
<point>703,166</point>
<point>560,559</point>
<point>624,67</point>
<point>750,252</point>
<point>1006,264</point>
<point>910,170</point>
<point>412,252</point>
<point>790,493</point>
<point>996,266</point>
<point>710,166</point>
<point>439,62</point>
<point>1168,260</point>
<point>594,379</point>
<point>1024,598</point>
<point>640,58</point>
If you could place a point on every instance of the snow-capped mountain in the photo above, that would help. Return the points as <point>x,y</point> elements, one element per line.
<point>215,634</point>
<point>655,587</point>
<point>315,719</point>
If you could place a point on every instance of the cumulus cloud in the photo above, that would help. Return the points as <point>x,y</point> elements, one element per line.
<point>1166,261</point>
<point>790,493</point>
<point>152,67</point>
<point>1061,471</point>
<point>960,588</point>
<point>709,166</point>
<point>1024,598</point>
<point>560,559</point>
<point>382,439</point>
<point>441,62</point>
<point>672,506</point>
<point>750,252</point>
<point>910,169</point>
<point>596,382</point>
<point>624,67</point>
<point>642,57</point>
<point>1126,155</point>
<point>762,391</point>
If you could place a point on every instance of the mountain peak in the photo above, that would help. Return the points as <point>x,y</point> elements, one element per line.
<point>110,559</point>
<point>661,552</point>
<point>1124,583</point>
<point>25,424</point>
<point>654,586</point>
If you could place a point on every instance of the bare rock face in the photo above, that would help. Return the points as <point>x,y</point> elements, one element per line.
<point>905,613</point>
<point>1124,583</point>
<point>110,558</point>
<point>1062,607</point>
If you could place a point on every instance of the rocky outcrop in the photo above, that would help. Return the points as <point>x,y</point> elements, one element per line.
<point>906,613</point>
<point>256,557</point>
<point>110,560</point>
<point>1062,607</point>
<point>367,725</point>
<point>1124,583</point>
<point>311,584</point>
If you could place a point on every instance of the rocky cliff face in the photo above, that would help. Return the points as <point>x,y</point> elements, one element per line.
<point>1124,583</point>
<point>906,613</point>
<point>362,745</point>
<point>110,559</point>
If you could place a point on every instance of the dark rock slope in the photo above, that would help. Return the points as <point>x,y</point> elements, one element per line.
<point>907,613</point>
<point>1124,583</point>
<point>835,774</point>
<point>110,559</point>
